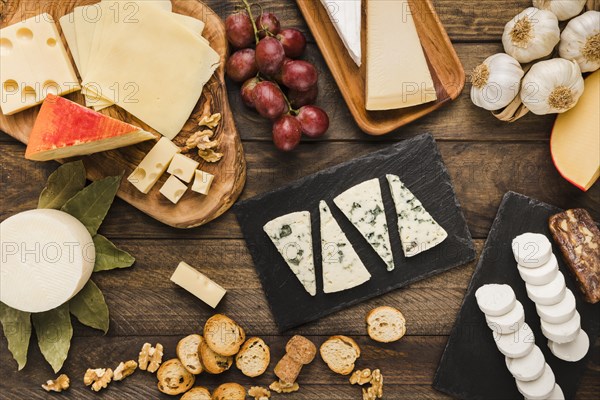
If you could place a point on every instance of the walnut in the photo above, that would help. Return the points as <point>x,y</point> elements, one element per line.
<point>198,137</point>
<point>150,357</point>
<point>58,385</point>
<point>282,387</point>
<point>99,378</point>
<point>124,370</point>
<point>377,383</point>
<point>209,155</point>
<point>373,392</point>
<point>360,377</point>
<point>210,121</point>
<point>259,393</point>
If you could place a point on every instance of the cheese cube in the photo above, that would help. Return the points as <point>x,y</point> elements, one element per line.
<point>33,63</point>
<point>198,284</point>
<point>183,167</point>
<point>153,165</point>
<point>173,189</point>
<point>203,182</point>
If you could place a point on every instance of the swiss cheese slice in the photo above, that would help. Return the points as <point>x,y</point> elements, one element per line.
<point>345,15</point>
<point>65,129</point>
<point>575,141</point>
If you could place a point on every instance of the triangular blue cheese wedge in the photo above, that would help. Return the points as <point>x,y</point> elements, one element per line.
<point>418,230</point>
<point>345,15</point>
<point>363,206</point>
<point>342,268</point>
<point>291,234</point>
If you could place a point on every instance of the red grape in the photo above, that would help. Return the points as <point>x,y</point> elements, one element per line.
<point>241,66</point>
<point>287,133</point>
<point>293,41</point>
<point>314,121</point>
<point>269,100</point>
<point>298,99</point>
<point>269,56</point>
<point>246,91</point>
<point>299,75</point>
<point>267,22</point>
<point>239,30</point>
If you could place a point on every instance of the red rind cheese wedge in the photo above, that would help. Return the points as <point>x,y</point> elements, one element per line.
<point>66,129</point>
<point>575,141</point>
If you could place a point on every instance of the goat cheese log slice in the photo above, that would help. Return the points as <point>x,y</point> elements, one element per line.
<point>517,344</point>
<point>418,230</point>
<point>47,258</point>
<point>559,312</point>
<point>550,293</point>
<point>342,268</point>
<point>562,333</point>
<point>291,235</point>
<point>363,206</point>
<point>509,322</point>
<point>540,388</point>
<point>557,393</point>
<point>531,250</point>
<point>528,368</point>
<point>541,275</point>
<point>572,351</point>
<point>495,300</point>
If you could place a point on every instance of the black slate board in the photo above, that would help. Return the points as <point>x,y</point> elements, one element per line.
<point>472,367</point>
<point>419,165</point>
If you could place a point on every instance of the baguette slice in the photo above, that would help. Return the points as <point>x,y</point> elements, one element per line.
<point>212,362</point>
<point>386,324</point>
<point>197,393</point>
<point>301,350</point>
<point>188,352</point>
<point>287,369</point>
<point>340,353</point>
<point>223,335</point>
<point>229,391</point>
<point>254,357</point>
<point>173,378</point>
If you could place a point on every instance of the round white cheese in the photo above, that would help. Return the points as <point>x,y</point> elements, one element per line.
<point>527,368</point>
<point>562,333</point>
<point>557,393</point>
<point>572,351</point>
<point>47,257</point>
<point>516,344</point>
<point>550,293</point>
<point>541,275</point>
<point>540,388</point>
<point>531,250</point>
<point>509,322</point>
<point>495,300</point>
<point>559,312</point>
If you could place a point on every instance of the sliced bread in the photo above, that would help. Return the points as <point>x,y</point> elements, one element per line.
<point>197,393</point>
<point>254,357</point>
<point>301,349</point>
<point>229,391</point>
<point>386,324</point>
<point>287,369</point>
<point>212,362</point>
<point>173,378</point>
<point>223,335</point>
<point>188,352</point>
<point>340,353</point>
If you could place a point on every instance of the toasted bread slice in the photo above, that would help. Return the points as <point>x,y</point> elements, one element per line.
<point>301,349</point>
<point>287,369</point>
<point>173,378</point>
<point>223,335</point>
<point>386,324</point>
<point>340,353</point>
<point>254,357</point>
<point>212,362</point>
<point>188,352</point>
<point>229,391</point>
<point>197,393</point>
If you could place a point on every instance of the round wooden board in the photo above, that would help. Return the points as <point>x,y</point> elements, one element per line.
<point>230,173</point>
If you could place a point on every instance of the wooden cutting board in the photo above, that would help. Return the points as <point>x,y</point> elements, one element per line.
<point>230,173</point>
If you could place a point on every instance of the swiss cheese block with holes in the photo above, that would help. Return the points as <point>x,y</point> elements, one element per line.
<point>33,63</point>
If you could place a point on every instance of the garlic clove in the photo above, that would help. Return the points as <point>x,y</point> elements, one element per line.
<point>531,35</point>
<point>580,41</point>
<point>496,82</point>
<point>563,9</point>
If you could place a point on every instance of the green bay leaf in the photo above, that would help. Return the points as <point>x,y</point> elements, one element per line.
<point>108,256</point>
<point>17,329</point>
<point>63,184</point>
<point>90,308</point>
<point>91,205</point>
<point>54,332</point>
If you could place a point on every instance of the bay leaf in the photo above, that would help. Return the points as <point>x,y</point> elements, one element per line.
<point>91,205</point>
<point>90,308</point>
<point>17,329</point>
<point>108,256</point>
<point>63,184</point>
<point>54,332</point>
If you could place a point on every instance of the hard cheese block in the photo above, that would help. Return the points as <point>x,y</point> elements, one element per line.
<point>33,64</point>
<point>65,129</point>
<point>345,15</point>
<point>47,258</point>
<point>149,171</point>
<point>198,284</point>
<point>575,141</point>
<point>397,71</point>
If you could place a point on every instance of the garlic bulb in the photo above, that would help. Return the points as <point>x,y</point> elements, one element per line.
<point>580,41</point>
<point>552,86</point>
<point>532,34</point>
<point>496,82</point>
<point>563,9</point>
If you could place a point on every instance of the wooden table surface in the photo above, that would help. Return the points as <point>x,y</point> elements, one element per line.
<point>485,157</point>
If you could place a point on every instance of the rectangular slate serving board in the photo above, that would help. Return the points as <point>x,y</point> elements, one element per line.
<point>472,367</point>
<point>419,165</point>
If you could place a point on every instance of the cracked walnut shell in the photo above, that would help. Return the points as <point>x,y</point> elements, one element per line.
<point>99,378</point>
<point>58,385</point>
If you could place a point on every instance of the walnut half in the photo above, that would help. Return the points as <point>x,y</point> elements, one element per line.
<point>282,387</point>
<point>259,393</point>
<point>58,385</point>
<point>362,377</point>
<point>150,357</point>
<point>124,370</point>
<point>99,378</point>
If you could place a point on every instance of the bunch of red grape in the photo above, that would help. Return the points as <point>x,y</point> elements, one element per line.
<point>276,83</point>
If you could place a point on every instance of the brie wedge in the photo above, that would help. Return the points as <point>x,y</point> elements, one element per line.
<point>345,15</point>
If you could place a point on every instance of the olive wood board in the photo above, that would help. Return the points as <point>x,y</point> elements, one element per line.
<point>230,173</point>
<point>472,367</point>
<point>419,165</point>
<point>445,67</point>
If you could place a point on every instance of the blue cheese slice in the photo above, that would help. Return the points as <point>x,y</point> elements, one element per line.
<point>418,230</point>
<point>363,206</point>
<point>342,268</point>
<point>291,234</point>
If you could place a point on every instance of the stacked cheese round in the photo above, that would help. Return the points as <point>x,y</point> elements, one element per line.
<point>554,302</point>
<point>525,361</point>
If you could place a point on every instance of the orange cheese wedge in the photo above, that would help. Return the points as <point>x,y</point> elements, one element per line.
<point>66,129</point>
<point>575,141</point>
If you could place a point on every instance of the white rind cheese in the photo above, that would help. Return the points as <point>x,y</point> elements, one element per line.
<point>418,230</point>
<point>47,258</point>
<point>363,206</point>
<point>291,235</point>
<point>345,15</point>
<point>342,268</point>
